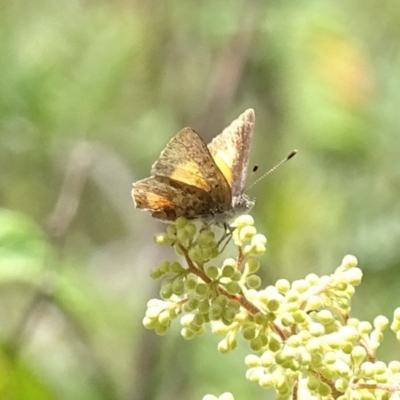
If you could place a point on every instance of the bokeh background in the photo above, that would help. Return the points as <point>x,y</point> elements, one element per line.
<point>91,91</point>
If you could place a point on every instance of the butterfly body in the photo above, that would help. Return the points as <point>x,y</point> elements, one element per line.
<point>199,181</point>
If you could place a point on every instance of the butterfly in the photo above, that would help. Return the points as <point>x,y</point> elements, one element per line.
<point>198,181</point>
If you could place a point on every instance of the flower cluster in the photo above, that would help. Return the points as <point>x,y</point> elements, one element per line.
<point>304,342</point>
<point>204,291</point>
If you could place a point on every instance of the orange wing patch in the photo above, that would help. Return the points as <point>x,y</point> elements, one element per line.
<point>190,173</point>
<point>224,161</point>
<point>152,201</point>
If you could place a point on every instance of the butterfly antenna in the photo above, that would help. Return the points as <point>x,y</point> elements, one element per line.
<point>287,158</point>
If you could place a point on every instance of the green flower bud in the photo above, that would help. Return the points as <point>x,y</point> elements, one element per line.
<point>163,239</point>
<point>324,389</point>
<point>274,345</point>
<point>380,367</point>
<point>161,330</point>
<point>215,311</point>
<point>349,333</point>
<point>292,295</point>
<point>292,307</point>
<point>229,261</point>
<point>234,304</point>
<point>228,271</point>
<point>293,341</point>
<point>313,279</point>
<point>253,281</point>
<point>178,286</point>
<point>258,249</point>
<point>287,319</point>
<point>198,319</point>
<point>260,319</point>
<point>316,329</point>
<point>368,369</point>
<point>340,285</point>
<point>395,325</point>
<point>196,254</point>
<point>252,265</point>
<point>187,333</point>
<point>316,360</point>
<point>233,287</point>
<point>187,319</point>
<point>300,285</point>
<point>149,323</point>
<point>183,236</point>
<point>381,322</point>
<point>354,276</point>
<point>376,336</point>
<point>222,300</point>
<point>252,360</point>
<point>243,221</point>
<point>330,357</point>
<point>174,312</point>
<point>256,344</point>
<point>171,231</point>
<point>353,322</point>
<point>394,366</point>
<point>249,333</point>
<point>212,272</point>
<point>324,316</point>
<point>206,237</point>
<point>273,304</point>
<point>201,288</point>
<point>314,303</point>
<point>304,335</point>
<point>246,233</point>
<point>229,315</point>
<point>175,267</point>
<point>178,249</point>
<point>312,383</point>
<point>165,267</point>
<point>226,396</point>
<point>209,397</point>
<point>180,222</point>
<point>396,314</point>
<point>348,262</point>
<point>166,289</point>
<point>381,379</point>
<point>164,318</point>
<point>364,327</point>
<point>341,384</point>
<point>237,276</point>
<point>156,273</point>
<point>204,306</point>
<point>358,354</point>
<point>281,383</point>
<point>283,285</point>
<point>190,283</point>
<point>254,374</point>
<point>299,316</point>
<point>259,238</point>
<point>304,357</point>
<point>190,229</point>
<point>223,346</point>
<point>266,380</point>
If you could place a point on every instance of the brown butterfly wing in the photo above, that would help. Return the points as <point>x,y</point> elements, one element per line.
<point>168,199</point>
<point>185,182</point>
<point>187,160</point>
<point>231,148</point>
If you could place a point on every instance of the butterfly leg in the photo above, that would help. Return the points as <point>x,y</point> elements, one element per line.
<point>228,230</point>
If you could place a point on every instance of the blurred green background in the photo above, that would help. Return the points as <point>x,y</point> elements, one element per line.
<point>90,93</point>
